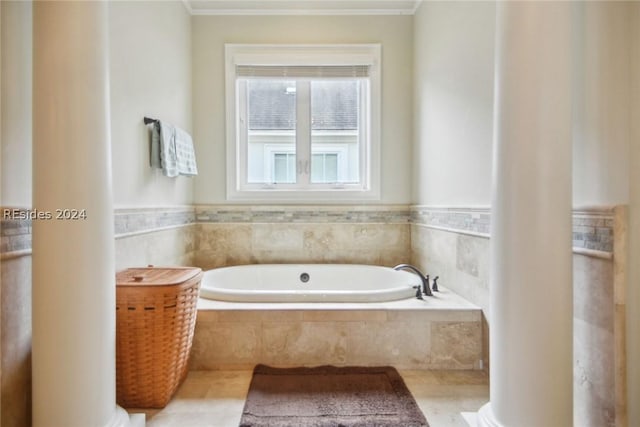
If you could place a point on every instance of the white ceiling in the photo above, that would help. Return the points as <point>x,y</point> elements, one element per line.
<point>302,7</point>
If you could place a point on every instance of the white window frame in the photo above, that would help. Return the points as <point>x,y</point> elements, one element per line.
<point>304,55</point>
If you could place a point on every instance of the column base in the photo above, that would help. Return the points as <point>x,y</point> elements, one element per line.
<point>137,420</point>
<point>486,418</point>
<point>122,419</point>
<point>471,418</point>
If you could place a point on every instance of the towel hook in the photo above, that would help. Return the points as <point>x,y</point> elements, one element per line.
<point>148,120</point>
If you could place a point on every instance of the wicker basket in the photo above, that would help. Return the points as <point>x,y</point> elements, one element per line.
<point>155,320</point>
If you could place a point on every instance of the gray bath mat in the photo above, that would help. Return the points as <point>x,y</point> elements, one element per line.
<point>329,396</point>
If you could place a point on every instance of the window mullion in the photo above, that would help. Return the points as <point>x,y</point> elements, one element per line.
<point>303,132</point>
<point>243,130</point>
<point>364,123</point>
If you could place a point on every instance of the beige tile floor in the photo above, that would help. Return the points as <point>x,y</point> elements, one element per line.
<point>216,398</point>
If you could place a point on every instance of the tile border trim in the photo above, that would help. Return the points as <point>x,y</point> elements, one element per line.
<point>356,214</point>
<point>15,232</point>
<point>471,220</point>
<point>592,226</point>
<point>128,222</point>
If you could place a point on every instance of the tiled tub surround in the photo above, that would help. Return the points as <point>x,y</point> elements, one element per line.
<point>233,235</point>
<point>442,332</point>
<point>454,244</point>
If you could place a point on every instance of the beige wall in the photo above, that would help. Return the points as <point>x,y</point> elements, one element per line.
<point>454,103</point>
<point>150,76</point>
<point>16,104</point>
<point>601,104</point>
<point>210,33</point>
<point>453,86</point>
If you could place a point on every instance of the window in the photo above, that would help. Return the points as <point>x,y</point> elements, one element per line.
<point>324,167</point>
<point>284,169</point>
<point>303,122</point>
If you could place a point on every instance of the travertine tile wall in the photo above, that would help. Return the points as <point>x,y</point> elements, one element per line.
<point>454,244</point>
<point>460,260</point>
<point>593,342</point>
<point>302,234</point>
<point>233,244</point>
<point>451,243</point>
<point>314,234</point>
<point>406,339</point>
<point>16,340</point>
<point>15,271</point>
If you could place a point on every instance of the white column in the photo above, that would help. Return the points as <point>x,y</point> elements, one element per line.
<point>73,259</point>
<point>531,309</point>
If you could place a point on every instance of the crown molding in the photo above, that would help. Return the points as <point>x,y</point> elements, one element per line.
<point>293,7</point>
<point>187,5</point>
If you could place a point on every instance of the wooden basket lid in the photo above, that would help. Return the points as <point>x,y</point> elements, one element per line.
<point>156,276</point>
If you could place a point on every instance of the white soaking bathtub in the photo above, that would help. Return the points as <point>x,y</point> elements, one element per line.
<point>308,283</point>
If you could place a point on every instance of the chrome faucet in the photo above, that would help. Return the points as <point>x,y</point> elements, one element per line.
<point>425,279</point>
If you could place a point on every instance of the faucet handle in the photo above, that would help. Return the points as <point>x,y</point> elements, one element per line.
<point>435,284</point>
<point>425,285</point>
<point>418,292</point>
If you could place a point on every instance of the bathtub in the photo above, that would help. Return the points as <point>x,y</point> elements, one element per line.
<point>308,283</point>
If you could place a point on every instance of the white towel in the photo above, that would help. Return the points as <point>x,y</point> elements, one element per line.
<point>185,154</point>
<point>172,150</point>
